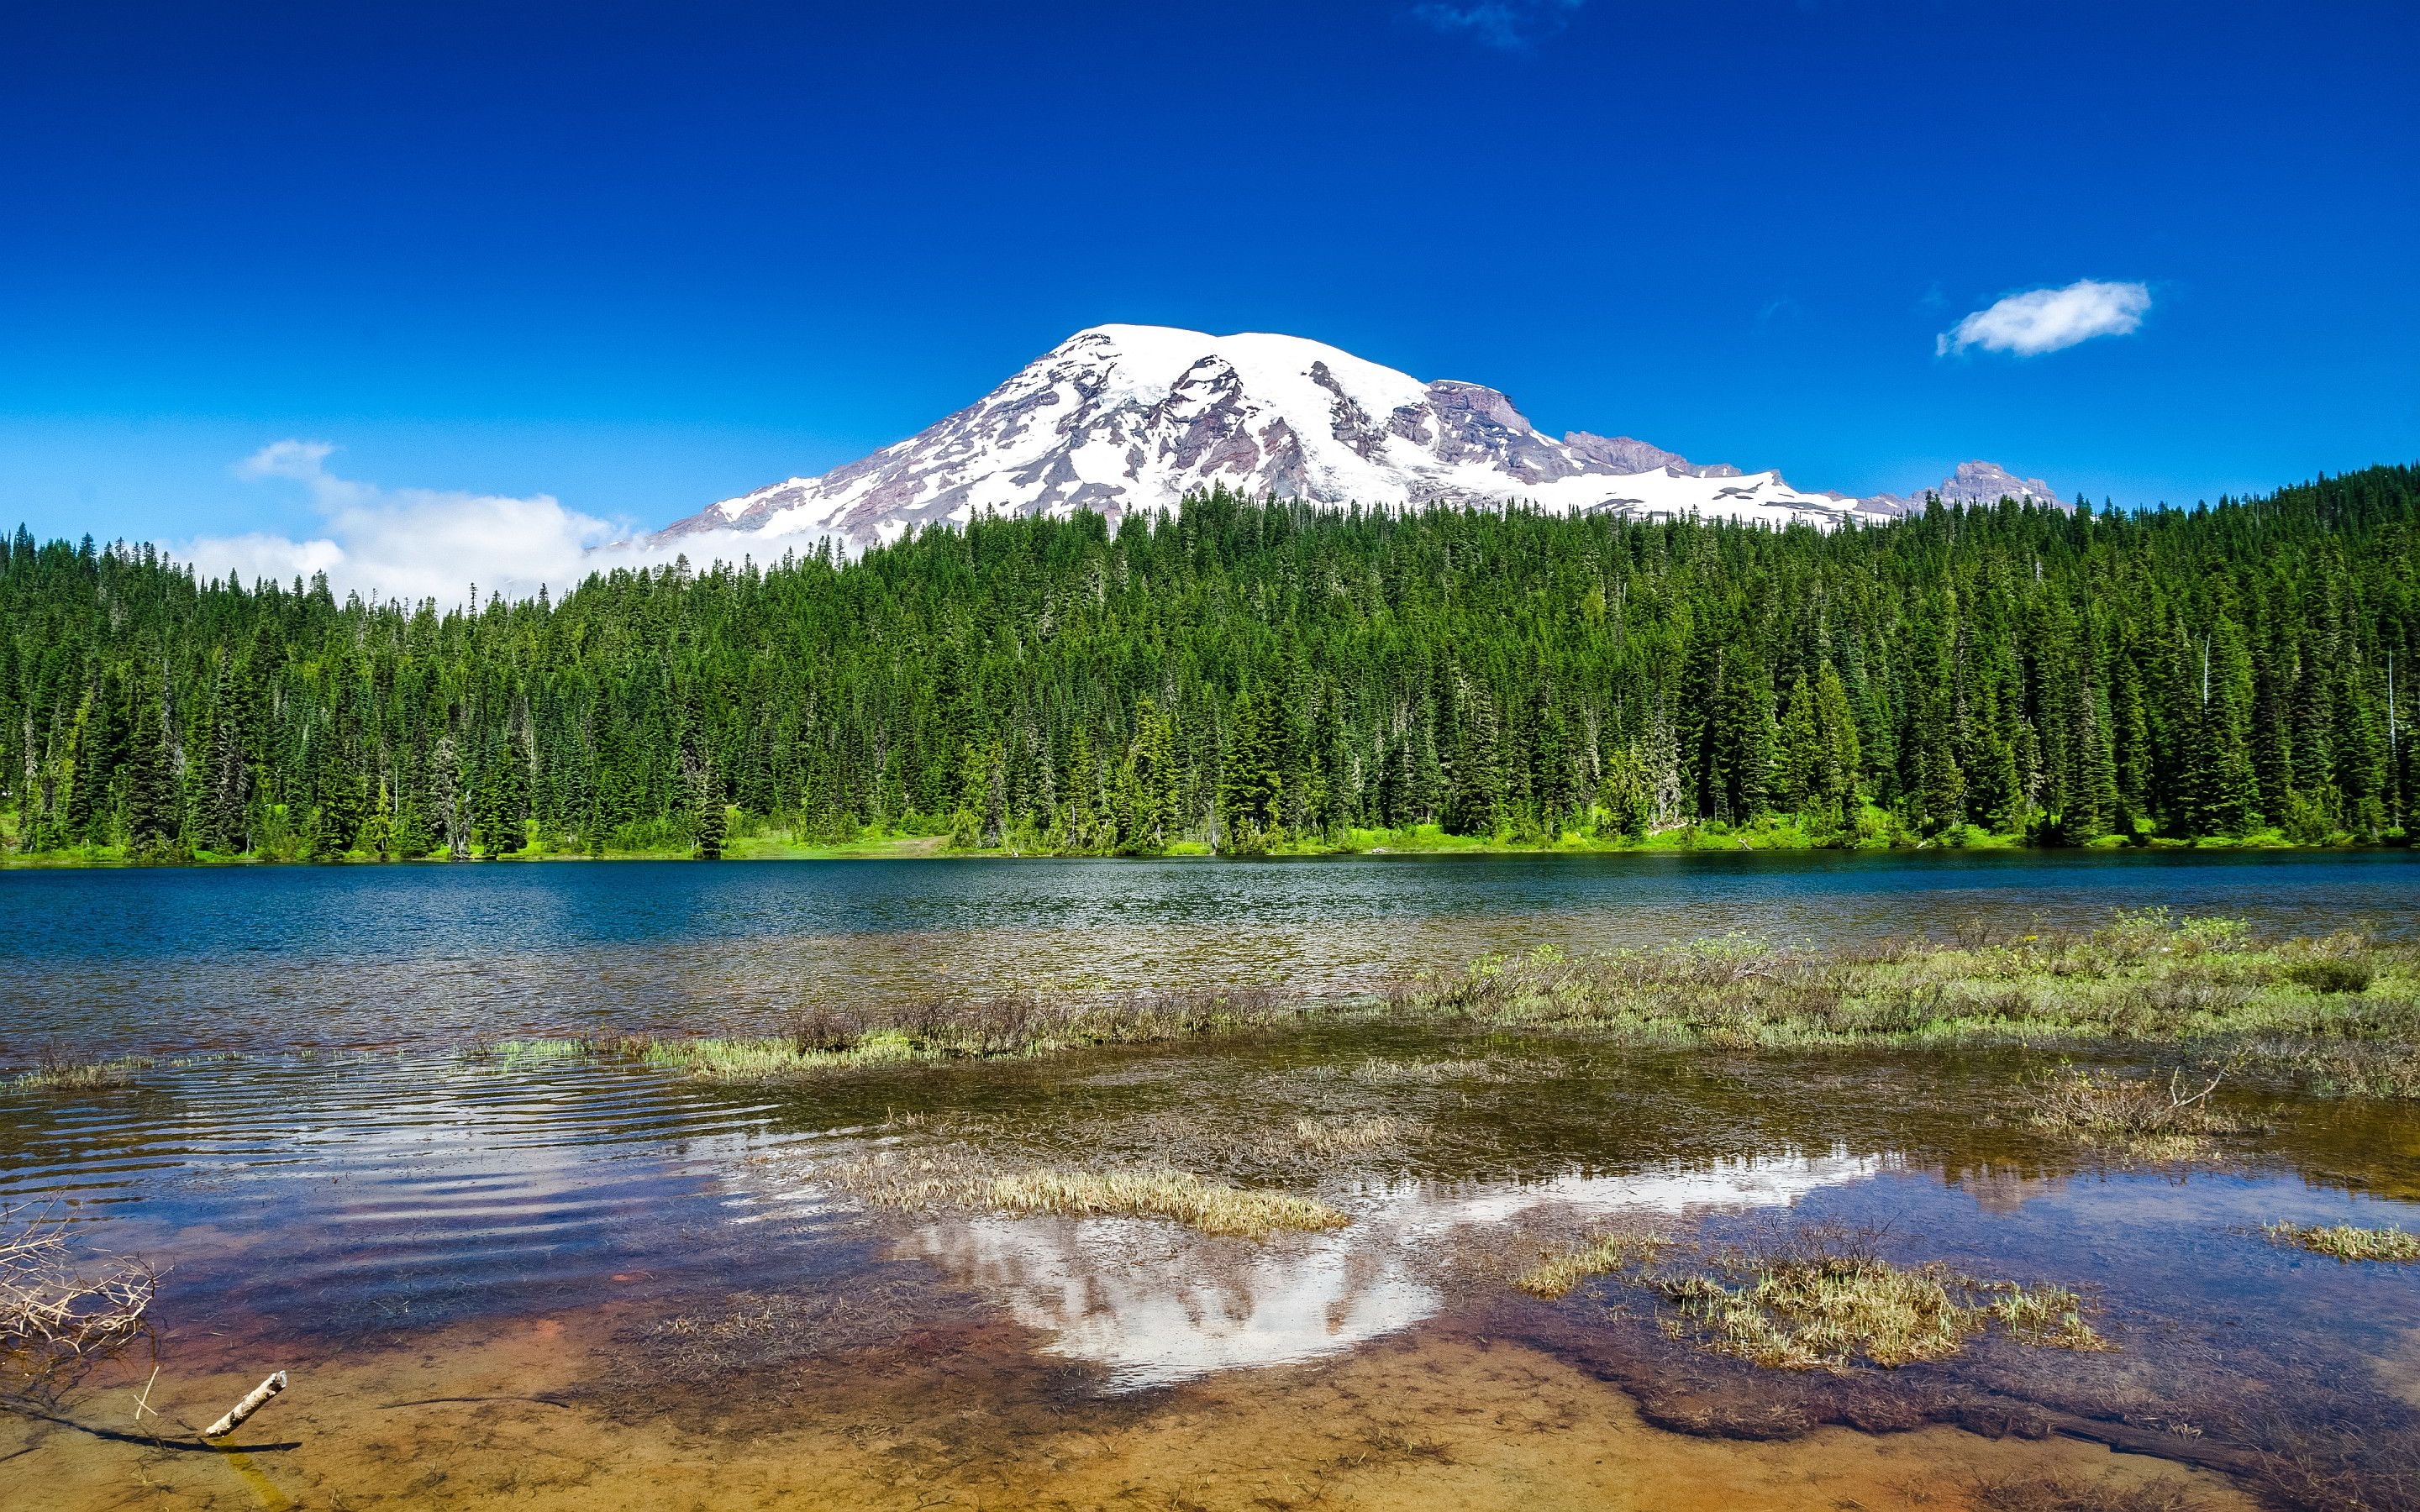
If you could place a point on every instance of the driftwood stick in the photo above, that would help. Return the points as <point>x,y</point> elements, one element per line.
<point>250,1404</point>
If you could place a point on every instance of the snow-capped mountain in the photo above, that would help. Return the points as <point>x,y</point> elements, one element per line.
<point>1975,483</point>
<point>1122,418</point>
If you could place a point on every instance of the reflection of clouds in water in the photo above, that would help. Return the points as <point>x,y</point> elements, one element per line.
<point>1740,1181</point>
<point>1157,1305</point>
<point>1115,1292</point>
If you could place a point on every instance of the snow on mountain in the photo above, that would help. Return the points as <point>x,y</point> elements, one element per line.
<point>1121,418</point>
<point>1974,482</point>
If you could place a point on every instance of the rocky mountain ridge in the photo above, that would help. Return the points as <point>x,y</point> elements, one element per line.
<point>1121,418</point>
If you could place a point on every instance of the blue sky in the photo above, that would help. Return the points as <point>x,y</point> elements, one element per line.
<point>642,256</point>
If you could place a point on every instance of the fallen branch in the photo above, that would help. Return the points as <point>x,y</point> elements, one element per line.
<point>56,1320</point>
<point>253,1402</point>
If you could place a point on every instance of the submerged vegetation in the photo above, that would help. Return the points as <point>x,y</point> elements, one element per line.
<point>2146,977</point>
<point>59,1076</point>
<point>1559,1275</point>
<point>2059,1494</point>
<point>955,1178</point>
<point>2139,1115</point>
<point>1246,677</point>
<point>1334,1139</point>
<point>1823,1299</point>
<point>2345,1242</point>
<point>2202,987</point>
<point>827,1039</point>
<point>58,1319</point>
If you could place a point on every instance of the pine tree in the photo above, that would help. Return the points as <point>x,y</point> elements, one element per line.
<point>1475,798</point>
<point>1801,761</point>
<point>1249,785</point>
<point>2222,788</point>
<point>452,802</point>
<point>504,805</point>
<point>340,785</point>
<point>1626,794</point>
<point>151,818</point>
<point>412,835</point>
<point>712,819</point>
<point>982,798</point>
<point>377,831</point>
<point>1836,732</point>
<point>1083,827</point>
<point>225,824</point>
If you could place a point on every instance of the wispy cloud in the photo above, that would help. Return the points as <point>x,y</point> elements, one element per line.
<point>424,543</point>
<point>2046,320</point>
<point>1507,25</point>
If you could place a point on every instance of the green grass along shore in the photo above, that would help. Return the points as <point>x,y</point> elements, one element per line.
<point>1877,830</point>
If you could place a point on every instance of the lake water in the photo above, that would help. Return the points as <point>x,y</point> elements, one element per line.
<point>569,1283</point>
<point>434,955</point>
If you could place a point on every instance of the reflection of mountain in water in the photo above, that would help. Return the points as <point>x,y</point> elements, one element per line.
<point>1156,1306</point>
<point>1127,1294</point>
<point>1998,1187</point>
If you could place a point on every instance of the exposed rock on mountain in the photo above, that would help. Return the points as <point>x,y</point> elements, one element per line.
<point>1124,418</point>
<point>1974,482</point>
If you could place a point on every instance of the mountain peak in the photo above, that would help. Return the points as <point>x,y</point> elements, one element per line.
<point>1974,482</point>
<point>1125,417</point>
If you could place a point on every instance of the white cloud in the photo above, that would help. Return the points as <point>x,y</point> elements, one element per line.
<point>410,543</point>
<point>1508,24</point>
<point>2046,320</point>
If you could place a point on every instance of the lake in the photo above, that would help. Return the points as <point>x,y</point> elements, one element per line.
<point>554,1280</point>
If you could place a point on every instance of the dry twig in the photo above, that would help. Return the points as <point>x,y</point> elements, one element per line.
<point>56,1321</point>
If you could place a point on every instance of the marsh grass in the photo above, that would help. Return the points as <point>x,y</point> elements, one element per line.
<point>2342,1011</point>
<point>1558,1275</point>
<point>966,1179</point>
<point>1824,1299</point>
<point>53,1075</point>
<point>2062,1493</point>
<point>2338,1015</point>
<point>1343,1138</point>
<point>2346,1243</point>
<point>2137,1115</point>
<point>510,1054</point>
<point>825,1039</point>
<point>1378,1071</point>
<point>1819,1306</point>
<point>1495,1070</point>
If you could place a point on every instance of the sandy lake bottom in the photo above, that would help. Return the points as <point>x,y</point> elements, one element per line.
<point>567,1282</point>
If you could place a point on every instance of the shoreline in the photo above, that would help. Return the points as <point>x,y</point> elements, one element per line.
<point>936,847</point>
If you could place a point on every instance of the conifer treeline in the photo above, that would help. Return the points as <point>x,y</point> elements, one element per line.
<point>1248,675</point>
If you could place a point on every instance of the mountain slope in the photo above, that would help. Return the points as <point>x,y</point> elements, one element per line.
<point>1974,482</point>
<point>1121,418</point>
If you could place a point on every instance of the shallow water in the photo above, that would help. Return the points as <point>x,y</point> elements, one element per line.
<point>436,955</point>
<point>590,1284</point>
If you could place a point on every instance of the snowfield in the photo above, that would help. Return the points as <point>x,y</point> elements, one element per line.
<point>1120,418</point>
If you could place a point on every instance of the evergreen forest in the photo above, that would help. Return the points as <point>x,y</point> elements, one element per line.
<point>1246,676</point>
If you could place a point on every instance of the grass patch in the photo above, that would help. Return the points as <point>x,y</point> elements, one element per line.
<point>2286,1010</point>
<point>961,1178</point>
<point>1824,1299</point>
<point>2134,1114</point>
<point>509,1054</point>
<point>81,1075</point>
<point>825,1040</point>
<point>1558,1274</point>
<point>1382,1072</point>
<point>2341,1013</point>
<point>1821,1305</point>
<point>2347,1242</point>
<point>1343,1137</point>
